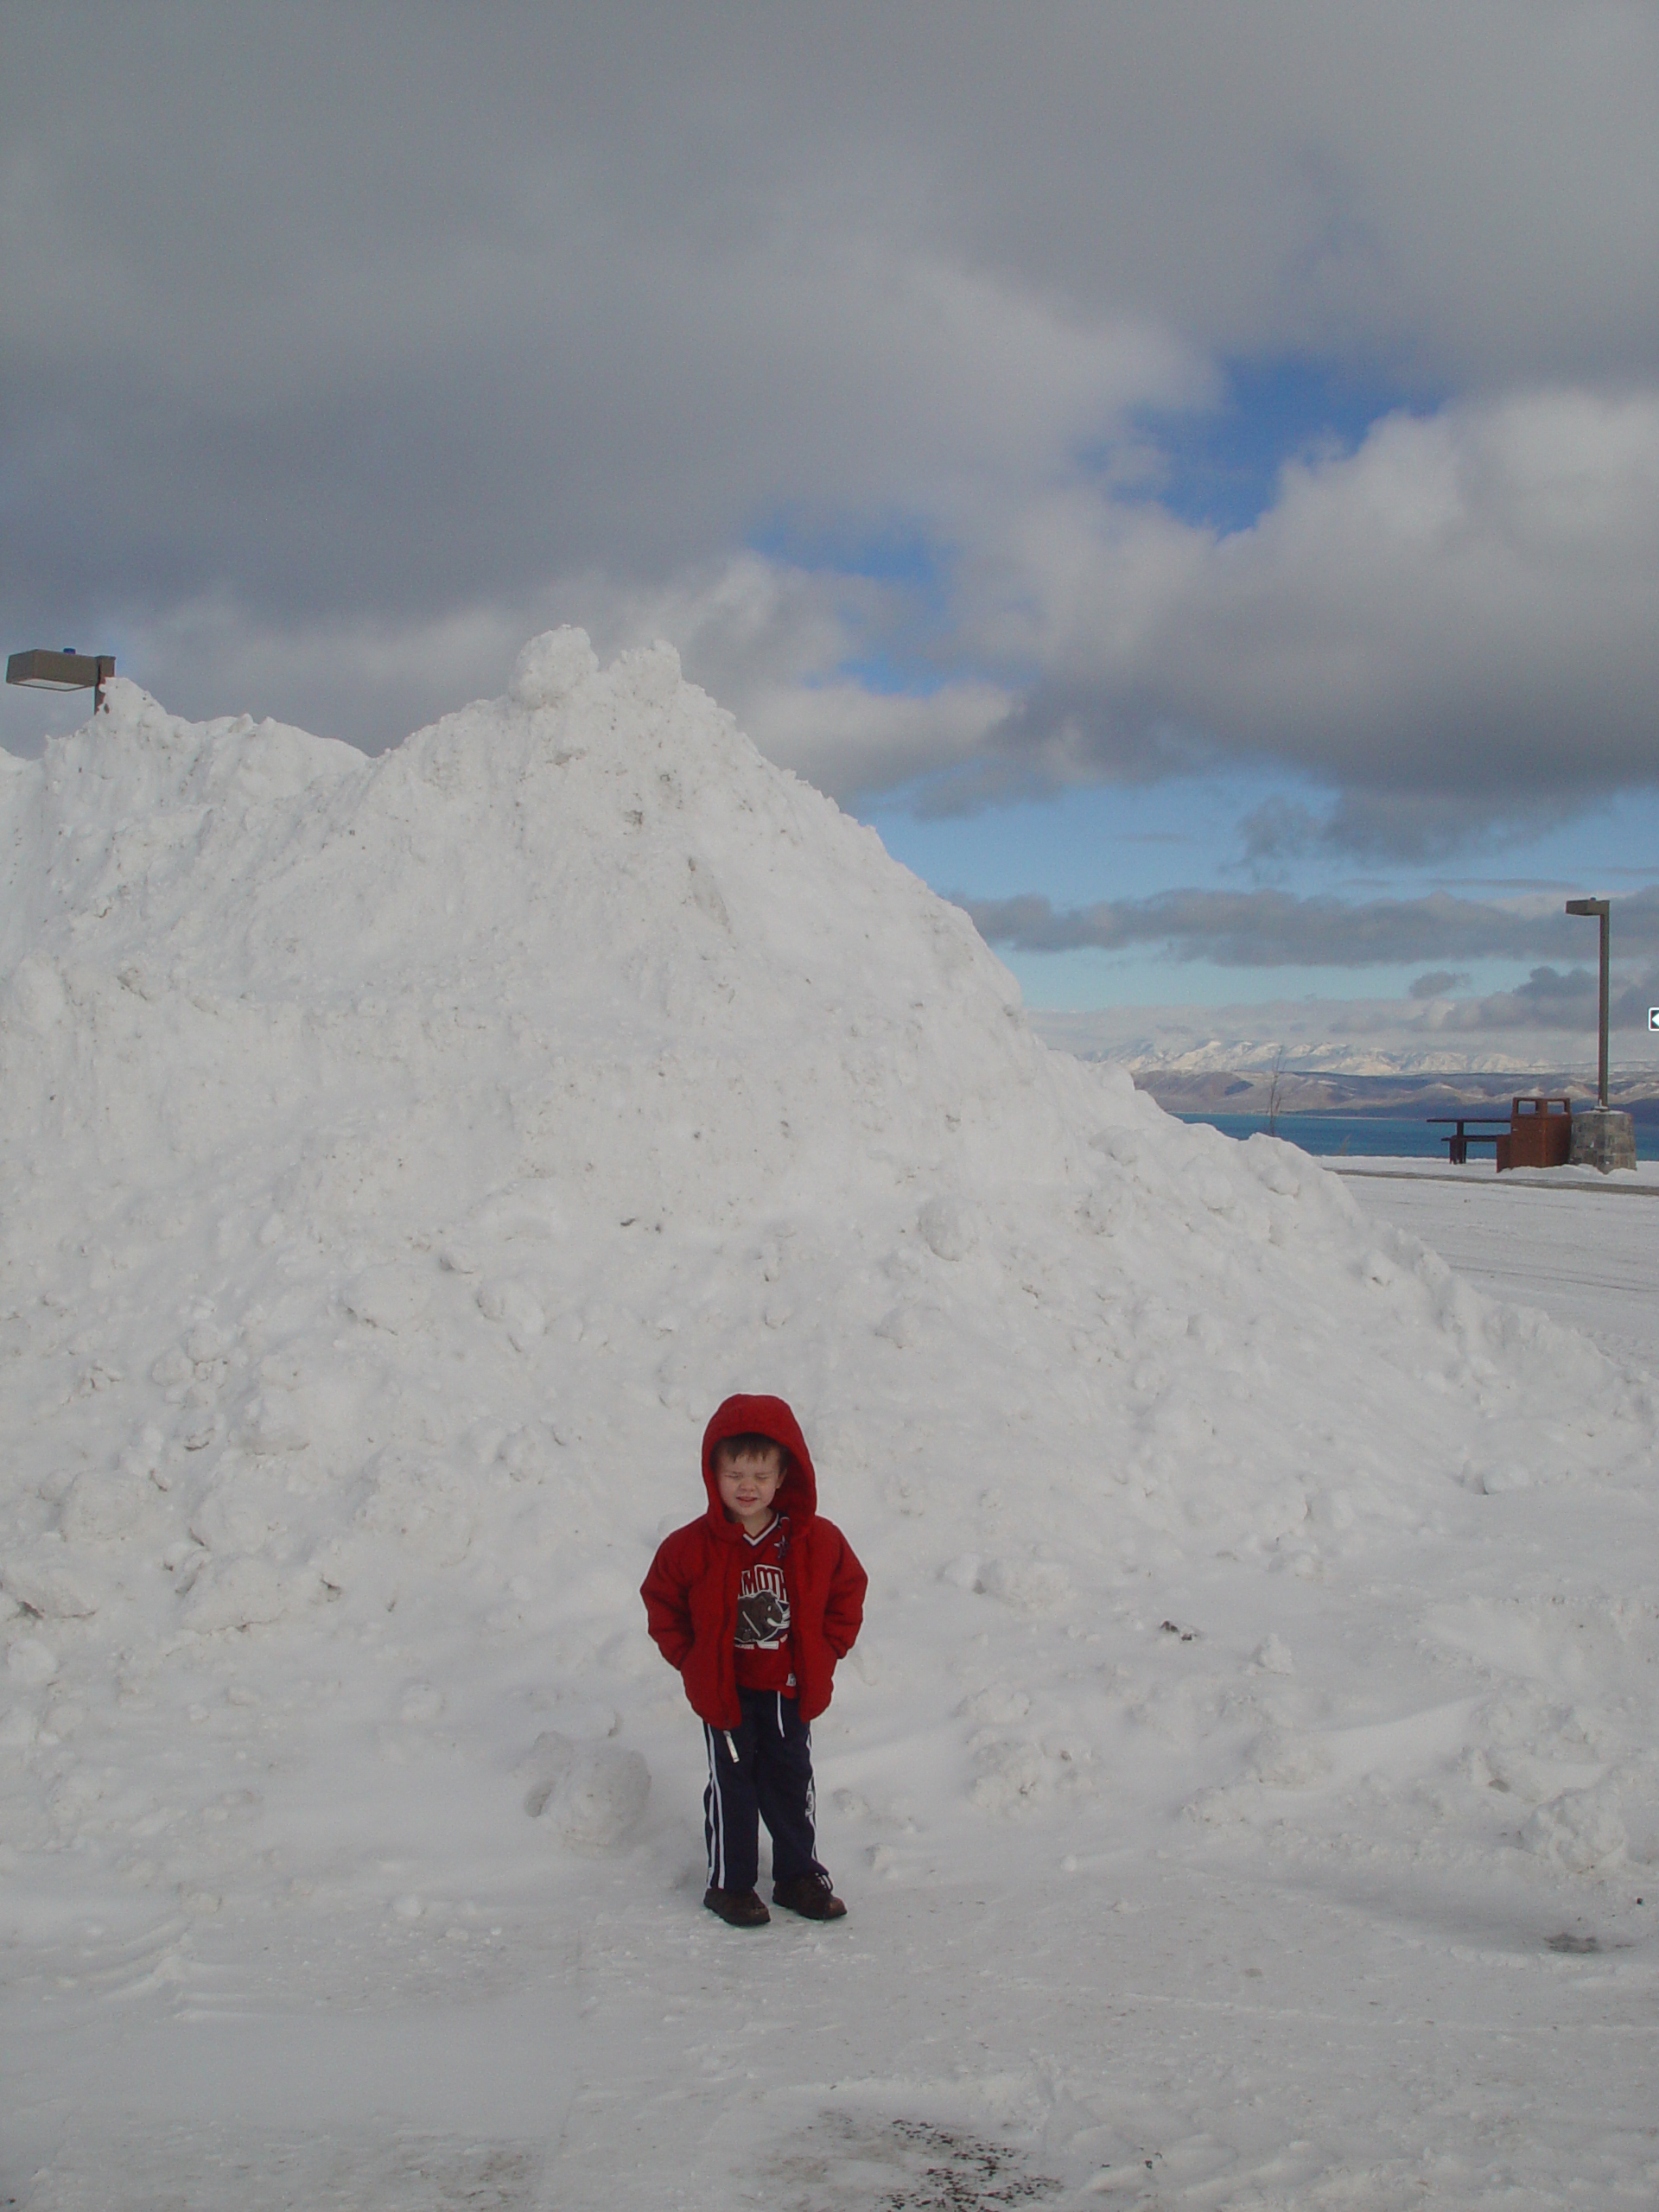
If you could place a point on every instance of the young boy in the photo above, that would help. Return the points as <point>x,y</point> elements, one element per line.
<point>754,1603</point>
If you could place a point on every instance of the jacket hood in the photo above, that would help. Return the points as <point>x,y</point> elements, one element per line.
<point>797,1495</point>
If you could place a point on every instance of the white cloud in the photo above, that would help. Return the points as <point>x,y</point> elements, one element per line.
<point>1461,610</point>
<point>847,739</point>
<point>368,681</point>
<point>764,638</point>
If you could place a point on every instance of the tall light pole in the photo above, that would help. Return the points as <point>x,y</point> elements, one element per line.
<point>1601,1137</point>
<point>40,670</point>
<point>1598,906</point>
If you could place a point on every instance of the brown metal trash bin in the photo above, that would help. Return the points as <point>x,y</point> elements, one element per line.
<point>1540,1133</point>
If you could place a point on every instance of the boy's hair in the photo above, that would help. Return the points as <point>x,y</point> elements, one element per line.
<point>749,1446</point>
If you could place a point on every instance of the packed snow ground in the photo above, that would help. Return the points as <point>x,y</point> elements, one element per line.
<point>1547,1238</point>
<point>1247,1786</point>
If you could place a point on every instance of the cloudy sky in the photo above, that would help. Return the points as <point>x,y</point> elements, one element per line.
<point>1188,474</point>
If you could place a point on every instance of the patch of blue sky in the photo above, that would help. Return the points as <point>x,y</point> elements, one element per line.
<point>895,552</point>
<point>1612,846</point>
<point>1124,841</point>
<point>1089,841</point>
<point>1615,838</point>
<point>898,655</point>
<point>1094,842</point>
<point>891,675</point>
<point>1221,467</point>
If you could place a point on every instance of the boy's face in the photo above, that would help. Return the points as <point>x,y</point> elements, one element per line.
<point>747,1483</point>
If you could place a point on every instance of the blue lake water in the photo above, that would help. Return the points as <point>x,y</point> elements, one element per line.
<point>1367,1134</point>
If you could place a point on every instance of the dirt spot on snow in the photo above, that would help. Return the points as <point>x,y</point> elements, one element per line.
<point>902,2166</point>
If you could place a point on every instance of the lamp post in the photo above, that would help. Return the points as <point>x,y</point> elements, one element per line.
<point>1601,1138</point>
<point>1598,906</point>
<point>39,670</point>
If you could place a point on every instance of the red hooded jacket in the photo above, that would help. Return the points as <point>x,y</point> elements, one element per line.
<point>690,1593</point>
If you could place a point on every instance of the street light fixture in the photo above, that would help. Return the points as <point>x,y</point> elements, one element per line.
<point>39,670</point>
<point>1598,907</point>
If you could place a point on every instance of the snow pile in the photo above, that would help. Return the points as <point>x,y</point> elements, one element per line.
<point>403,1156</point>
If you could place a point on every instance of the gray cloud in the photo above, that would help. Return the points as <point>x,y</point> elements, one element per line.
<point>423,308</point>
<point>1412,825</point>
<point>1551,999</point>
<point>1438,983</point>
<point>1275,929</point>
<point>351,345</point>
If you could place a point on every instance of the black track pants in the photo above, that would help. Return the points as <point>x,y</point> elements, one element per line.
<point>761,1770</point>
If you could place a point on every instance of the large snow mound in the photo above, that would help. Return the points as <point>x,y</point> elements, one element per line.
<point>402,1158</point>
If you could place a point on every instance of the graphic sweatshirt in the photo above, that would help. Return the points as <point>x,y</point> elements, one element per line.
<point>765,1649</point>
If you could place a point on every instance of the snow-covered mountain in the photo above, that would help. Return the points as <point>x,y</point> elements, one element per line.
<point>1170,1046</point>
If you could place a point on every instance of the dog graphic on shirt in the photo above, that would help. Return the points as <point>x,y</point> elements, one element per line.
<point>762,1609</point>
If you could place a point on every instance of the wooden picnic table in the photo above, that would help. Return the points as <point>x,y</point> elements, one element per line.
<point>1458,1144</point>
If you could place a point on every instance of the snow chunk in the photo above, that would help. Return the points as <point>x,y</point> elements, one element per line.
<point>1282,1759</point>
<point>997,1705</point>
<point>947,1228</point>
<point>46,1577</point>
<point>1501,1475</point>
<point>551,666</point>
<point>274,1422</point>
<point>1274,1657</point>
<point>244,1594</point>
<point>649,674</point>
<point>595,1793</point>
<point>102,1509</point>
<point>517,1307</point>
<point>37,995</point>
<point>230,1518</point>
<point>1030,1585</point>
<point>600,1801</point>
<point>1020,1776</point>
<point>30,1661</point>
<point>1580,1830</point>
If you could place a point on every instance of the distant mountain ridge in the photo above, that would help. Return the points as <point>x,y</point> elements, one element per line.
<point>1225,1090</point>
<point>1175,1047</point>
<point>1237,1075</point>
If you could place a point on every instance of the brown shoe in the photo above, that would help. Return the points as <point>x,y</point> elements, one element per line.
<point>737,1908</point>
<point>811,1896</point>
